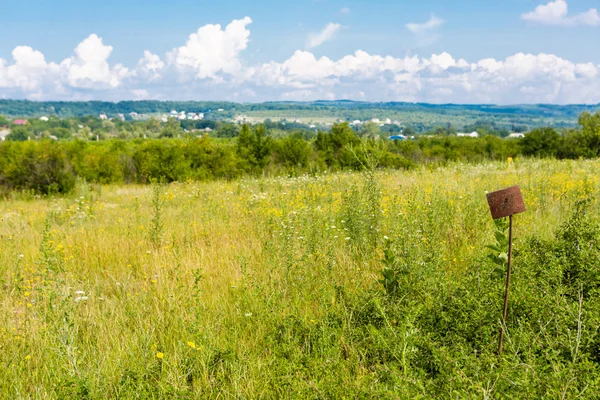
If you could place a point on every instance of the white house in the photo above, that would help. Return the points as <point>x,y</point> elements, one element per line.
<point>44,118</point>
<point>4,133</point>
<point>516,135</point>
<point>356,122</point>
<point>375,120</point>
<point>388,121</point>
<point>164,119</point>
<point>103,116</point>
<point>173,112</point>
<point>473,134</point>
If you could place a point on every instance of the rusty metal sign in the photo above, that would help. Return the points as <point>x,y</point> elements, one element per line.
<point>506,202</point>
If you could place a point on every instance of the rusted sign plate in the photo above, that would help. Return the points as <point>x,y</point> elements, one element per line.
<point>506,202</point>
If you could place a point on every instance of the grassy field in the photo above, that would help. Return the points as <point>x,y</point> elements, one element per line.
<point>270,288</point>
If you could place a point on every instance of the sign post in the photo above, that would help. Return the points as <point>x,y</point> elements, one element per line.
<point>506,203</point>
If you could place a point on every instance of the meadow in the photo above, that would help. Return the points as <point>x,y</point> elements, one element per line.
<point>272,287</point>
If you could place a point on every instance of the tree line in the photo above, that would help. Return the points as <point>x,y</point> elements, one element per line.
<point>49,166</point>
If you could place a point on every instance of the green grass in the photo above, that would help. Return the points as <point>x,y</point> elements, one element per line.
<point>269,288</point>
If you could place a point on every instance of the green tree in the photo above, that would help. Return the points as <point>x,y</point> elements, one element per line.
<point>254,146</point>
<point>171,129</point>
<point>590,132</point>
<point>541,142</point>
<point>370,130</point>
<point>18,134</point>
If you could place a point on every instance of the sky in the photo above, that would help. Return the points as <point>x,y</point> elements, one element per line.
<point>435,51</point>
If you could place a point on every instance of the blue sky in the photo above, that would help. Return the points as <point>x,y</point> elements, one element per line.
<point>465,51</point>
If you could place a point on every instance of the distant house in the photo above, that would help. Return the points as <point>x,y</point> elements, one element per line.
<point>103,116</point>
<point>133,114</point>
<point>164,119</point>
<point>19,122</point>
<point>397,137</point>
<point>220,110</point>
<point>516,135</point>
<point>472,134</point>
<point>388,121</point>
<point>173,112</point>
<point>375,120</point>
<point>44,118</point>
<point>207,129</point>
<point>356,122</point>
<point>4,133</point>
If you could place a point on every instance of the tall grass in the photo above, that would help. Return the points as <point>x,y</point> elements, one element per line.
<point>271,288</point>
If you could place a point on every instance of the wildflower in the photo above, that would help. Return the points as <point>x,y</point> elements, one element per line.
<point>160,355</point>
<point>81,298</point>
<point>191,344</point>
<point>29,305</point>
<point>28,356</point>
<point>21,256</point>
<point>248,314</point>
<point>348,238</point>
<point>79,292</point>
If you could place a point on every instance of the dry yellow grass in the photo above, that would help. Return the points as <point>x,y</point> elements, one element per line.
<point>95,309</point>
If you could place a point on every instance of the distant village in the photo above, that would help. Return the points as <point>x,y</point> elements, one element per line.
<point>241,119</point>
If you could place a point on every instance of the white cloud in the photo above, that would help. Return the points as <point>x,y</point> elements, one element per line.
<point>212,50</point>
<point>345,11</point>
<point>557,13</point>
<point>150,66</point>
<point>317,39</point>
<point>420,29</point>
<point>28,70</point>
<point>89,68</point>
<point>210,67</point>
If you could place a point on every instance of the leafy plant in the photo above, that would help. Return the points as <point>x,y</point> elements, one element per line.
<point>499,254</point>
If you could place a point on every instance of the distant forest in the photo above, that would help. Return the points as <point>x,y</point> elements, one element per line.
<point>420,117</point>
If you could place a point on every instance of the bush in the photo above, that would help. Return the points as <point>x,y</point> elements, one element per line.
<point>39,166</point>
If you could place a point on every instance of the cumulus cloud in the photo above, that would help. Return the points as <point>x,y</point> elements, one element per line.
<point>521,78</point>
<point>212,50</point>
<point>557,13</point>
<point>317,39</point>
<point>210,66</point>
<point>150,66</point>
<point>420,29</point>
<point>89,67</point>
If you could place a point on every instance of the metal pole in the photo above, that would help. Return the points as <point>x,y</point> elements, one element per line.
<point>507,284</point>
